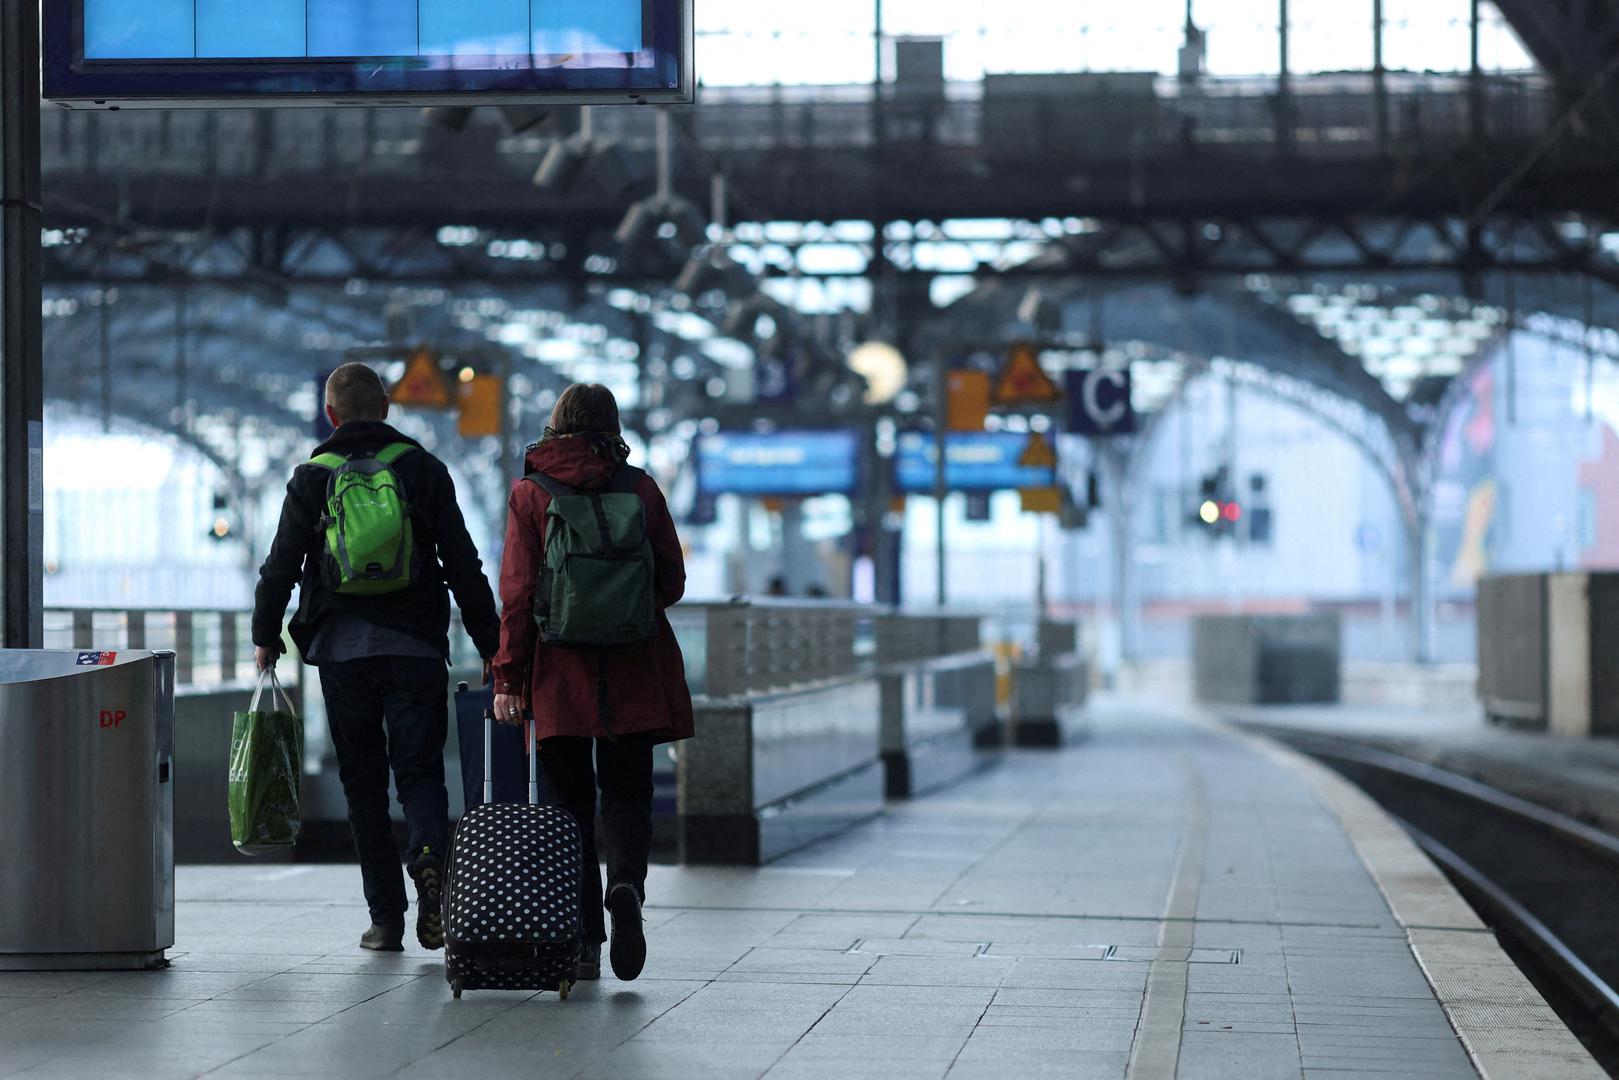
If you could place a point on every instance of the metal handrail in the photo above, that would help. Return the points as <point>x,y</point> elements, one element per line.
<point>737,646</point>
<point>210,646</point>
<point>746,645</point>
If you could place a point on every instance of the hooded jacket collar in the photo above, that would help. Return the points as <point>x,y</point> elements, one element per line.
<point>572,460</point>
<point>362,435</point>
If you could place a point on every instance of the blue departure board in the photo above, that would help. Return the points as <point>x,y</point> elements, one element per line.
<point>190,52</point>
<point>974,461</point>
<point>778,463</point>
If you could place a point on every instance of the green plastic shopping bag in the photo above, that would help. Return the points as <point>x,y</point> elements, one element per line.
<point>266,758</point>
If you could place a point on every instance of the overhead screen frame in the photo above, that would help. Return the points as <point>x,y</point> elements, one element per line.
<point>704,441</point>
<point>1017,476</point>
<point>74,82</point>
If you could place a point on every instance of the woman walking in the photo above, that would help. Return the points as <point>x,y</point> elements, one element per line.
<point>599,709</point>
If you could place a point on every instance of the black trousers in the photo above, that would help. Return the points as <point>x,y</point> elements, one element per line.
<point>390,712</point>
<point>623,770</point>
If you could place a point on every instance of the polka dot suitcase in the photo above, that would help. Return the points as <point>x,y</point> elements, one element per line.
<point>511,893</point>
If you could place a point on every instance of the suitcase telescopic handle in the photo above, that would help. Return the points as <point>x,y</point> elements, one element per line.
<point>488,757</point>
<point>533,762</point>
<point>489,760</point>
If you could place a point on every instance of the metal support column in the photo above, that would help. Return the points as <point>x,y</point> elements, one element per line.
<point>104,354</point>
<point>21,371</point>
<point>1284,82</point>
<point>879,125</point>
<point>1116,464</point>
<point>1510,357</point>
<point>941,487</point>
<point>798,563</point>
<point>1380,81</point>
<point>1587,328</point>
<point>1475,78</point>
<point>878,543</point>
<point>1042,600</point>
<point>181,360</point>
<point>1418,589</point>
<point>510,455</point>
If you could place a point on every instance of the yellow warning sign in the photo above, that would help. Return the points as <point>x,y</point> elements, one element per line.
<point>967,405</point>
<point>1022,381</point>
<point>1038,453</point>
<point>422,385</point>
<point>1041,500</point>
<point>481,398</point>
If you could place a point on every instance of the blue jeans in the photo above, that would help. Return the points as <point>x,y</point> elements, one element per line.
<point>390,712</point>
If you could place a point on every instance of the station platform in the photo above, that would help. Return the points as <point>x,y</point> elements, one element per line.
<point>1168,898</point>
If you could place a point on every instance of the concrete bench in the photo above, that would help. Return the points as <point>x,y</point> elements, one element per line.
<point>796,742</point>
<point>770,772</point>
<point>1048,700</point>
<point>938,717</point>
<point>1268,659</point>
<point>1050,689</point>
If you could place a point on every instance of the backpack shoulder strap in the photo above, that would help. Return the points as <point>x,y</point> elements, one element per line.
<point>328,461</point>
<point>625,480</point>
<point>393,452</point>
<point>552,487</point>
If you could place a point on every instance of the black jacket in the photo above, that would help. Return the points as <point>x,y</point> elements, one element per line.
<point>421,610</point>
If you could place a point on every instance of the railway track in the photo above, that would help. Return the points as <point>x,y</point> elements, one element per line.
<point>1547,883</point>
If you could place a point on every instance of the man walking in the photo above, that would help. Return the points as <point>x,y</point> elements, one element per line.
<point>371,534</point>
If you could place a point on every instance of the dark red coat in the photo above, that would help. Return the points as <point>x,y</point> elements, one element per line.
<point>646,684</point>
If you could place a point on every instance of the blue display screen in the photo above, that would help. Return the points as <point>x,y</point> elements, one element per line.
<point>255,29</point>
<point>780,463</point>
<point>974,461</point>
<point>185,50</point>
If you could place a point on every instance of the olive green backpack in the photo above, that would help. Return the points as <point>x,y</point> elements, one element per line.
<point>595,585</point>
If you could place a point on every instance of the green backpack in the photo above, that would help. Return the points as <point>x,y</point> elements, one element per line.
<point>595,584</point>
<point>370,544</point>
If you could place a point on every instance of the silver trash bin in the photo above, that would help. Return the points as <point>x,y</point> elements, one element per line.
<point>87,798</point>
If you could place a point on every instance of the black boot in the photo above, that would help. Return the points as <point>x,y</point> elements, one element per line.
<point>427,870</point>
<point>381,938</point>
<point>628,952</point>
<point>589,968</point>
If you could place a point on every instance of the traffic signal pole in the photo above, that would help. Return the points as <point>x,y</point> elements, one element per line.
<point>22,397</point>
<point>941,487</point>
<point>1120,479</point>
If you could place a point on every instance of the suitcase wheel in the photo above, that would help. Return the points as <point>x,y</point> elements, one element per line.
<point>455,989</point>
<point>562,989</point>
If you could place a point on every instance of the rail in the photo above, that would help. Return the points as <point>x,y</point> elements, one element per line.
<point>211,647</point>
<point>731,647</point>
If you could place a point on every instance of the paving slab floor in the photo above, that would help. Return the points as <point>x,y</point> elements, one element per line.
<point>1162,900</point>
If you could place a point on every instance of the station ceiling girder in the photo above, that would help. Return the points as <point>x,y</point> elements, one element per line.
<point>832,153</point>
<point>1176,248</point>
<point>1576,42</point>
<point>332,215</point>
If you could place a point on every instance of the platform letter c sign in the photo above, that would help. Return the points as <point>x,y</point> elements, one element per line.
<point>1099,402</point>
<point>1106,416</point>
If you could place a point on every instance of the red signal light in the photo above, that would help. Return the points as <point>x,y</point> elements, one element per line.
<point>1232,512</point>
